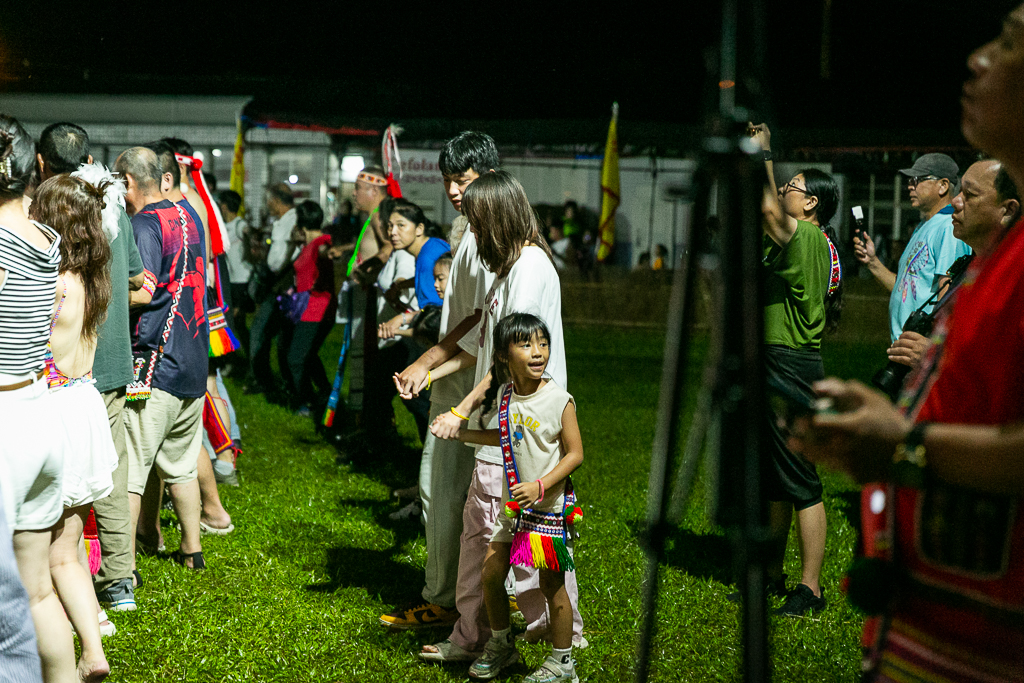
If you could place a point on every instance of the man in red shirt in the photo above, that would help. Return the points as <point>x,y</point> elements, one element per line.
<point>954,456</point>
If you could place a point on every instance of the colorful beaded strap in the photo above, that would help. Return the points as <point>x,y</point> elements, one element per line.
<point>835,274</point>
<point>538,537</point>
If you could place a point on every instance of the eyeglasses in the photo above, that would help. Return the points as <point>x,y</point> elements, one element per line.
<point>790,186</point>
<point>912,182</point>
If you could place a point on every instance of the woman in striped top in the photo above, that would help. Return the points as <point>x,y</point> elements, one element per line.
<point>32,463</point>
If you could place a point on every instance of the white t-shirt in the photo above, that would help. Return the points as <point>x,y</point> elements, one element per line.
<point>278,256</point>
<point>468,283</point>
<point>238,268</point>
<point>401,265</point>
<point>531,286</point>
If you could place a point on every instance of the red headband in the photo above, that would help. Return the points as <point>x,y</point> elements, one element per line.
<point>191,162</point>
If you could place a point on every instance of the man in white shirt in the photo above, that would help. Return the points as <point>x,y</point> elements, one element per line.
<point>266,323</point>
<point>447,466</point>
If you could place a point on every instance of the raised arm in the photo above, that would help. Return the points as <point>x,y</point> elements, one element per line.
<point>777,224</point>
<point>864,251</point>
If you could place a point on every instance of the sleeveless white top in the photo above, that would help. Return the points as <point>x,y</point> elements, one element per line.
<point>535,426</point>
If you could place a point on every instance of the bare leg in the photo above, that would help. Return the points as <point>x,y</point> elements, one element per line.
<point>214,513</point>
<point>496,564</point>
<point>552,585</point>
<point>149,514</point>
<point>811,525</point>
<point>53,633</point>
<point>74,586</point>
<point>781,517</point>
<point>186,504</point>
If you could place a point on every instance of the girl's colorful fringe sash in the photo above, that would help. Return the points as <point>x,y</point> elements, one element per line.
<point>538,538</point>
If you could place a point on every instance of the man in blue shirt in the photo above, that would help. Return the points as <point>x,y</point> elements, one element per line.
<point>931,249</point>
<point>165,428</point>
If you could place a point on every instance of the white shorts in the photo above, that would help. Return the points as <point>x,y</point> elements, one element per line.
<point>89,456</point>
<point>32,452</point>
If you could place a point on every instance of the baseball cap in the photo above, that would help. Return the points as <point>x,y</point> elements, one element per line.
<point>936,164</point>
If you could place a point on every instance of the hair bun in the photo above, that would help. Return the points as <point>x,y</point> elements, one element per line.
<point>6,150</point>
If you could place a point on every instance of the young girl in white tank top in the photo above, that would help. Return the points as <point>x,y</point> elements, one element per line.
<point>541,446</point>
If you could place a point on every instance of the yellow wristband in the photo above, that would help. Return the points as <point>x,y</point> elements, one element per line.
<point>459,415</point>
<point>428,379</point>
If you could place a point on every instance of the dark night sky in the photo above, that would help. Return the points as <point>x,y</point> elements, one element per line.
<point>895,65</point>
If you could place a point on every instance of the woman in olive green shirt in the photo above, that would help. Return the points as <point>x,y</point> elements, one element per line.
<point>803,298</point>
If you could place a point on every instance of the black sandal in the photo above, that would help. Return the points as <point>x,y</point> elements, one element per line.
<point>197,559</point>
<point>138,578</point>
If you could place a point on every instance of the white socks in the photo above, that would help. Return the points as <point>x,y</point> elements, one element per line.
<point>504,636</point>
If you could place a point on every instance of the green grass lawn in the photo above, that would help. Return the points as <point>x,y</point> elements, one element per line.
<point>294,593</point>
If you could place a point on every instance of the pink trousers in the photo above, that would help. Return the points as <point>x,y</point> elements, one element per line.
<point>472,630</point>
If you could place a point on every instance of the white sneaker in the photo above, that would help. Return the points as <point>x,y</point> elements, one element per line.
<point>496,657</point>
<point>413,509</point>
<point>553,671</point>
<point>107,627</point>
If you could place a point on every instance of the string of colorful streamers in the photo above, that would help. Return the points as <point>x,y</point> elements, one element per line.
<point>389,153</point>
<point>218,231</point>
<point>222,340</point>
<point>539,537</point>
<point>339,375</point>
<point>92,543</point>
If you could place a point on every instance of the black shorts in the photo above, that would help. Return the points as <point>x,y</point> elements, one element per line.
<point>785,475</point>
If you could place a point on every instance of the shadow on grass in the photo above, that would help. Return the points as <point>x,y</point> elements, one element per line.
<point>372,570</point>
<point>850,507</point>
<point>708,556</point>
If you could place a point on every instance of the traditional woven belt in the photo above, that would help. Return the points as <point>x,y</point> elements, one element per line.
<point>24,383</point>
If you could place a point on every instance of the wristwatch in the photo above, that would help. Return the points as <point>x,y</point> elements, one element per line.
<point>909,460</point>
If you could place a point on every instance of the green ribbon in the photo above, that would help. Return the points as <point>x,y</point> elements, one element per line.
<point>359,240</point>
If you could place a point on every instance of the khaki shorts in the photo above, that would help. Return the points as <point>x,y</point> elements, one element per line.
<point>166,431</point>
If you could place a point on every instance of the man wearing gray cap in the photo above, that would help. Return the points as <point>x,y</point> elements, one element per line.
<point>931,249</point>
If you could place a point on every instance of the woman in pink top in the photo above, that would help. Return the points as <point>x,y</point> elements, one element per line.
<point>314,278</point>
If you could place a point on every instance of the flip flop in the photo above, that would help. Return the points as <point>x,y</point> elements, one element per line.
<point>215,531</point>
<point>447,651</point>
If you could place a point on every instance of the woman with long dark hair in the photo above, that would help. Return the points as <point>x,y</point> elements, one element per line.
<point>511,246</point>
<point>73,206</point>
<point>410,231</point>
<point>803,300</point>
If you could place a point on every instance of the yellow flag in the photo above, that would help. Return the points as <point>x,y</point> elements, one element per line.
<point>238,168</point>
<point>609,188</point>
